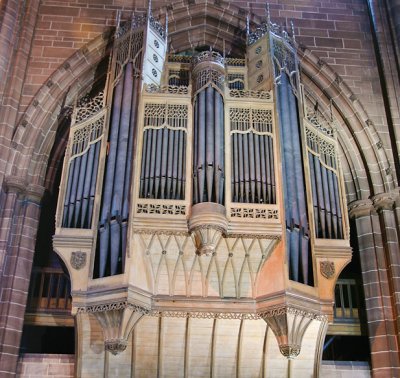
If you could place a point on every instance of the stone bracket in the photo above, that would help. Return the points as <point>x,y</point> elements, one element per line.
<point>117,321</point>
<point>289,325</point>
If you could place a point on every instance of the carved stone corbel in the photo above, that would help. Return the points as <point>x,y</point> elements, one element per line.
<point>207,225</point>
<point>117,321</point>
<point>289,325</point>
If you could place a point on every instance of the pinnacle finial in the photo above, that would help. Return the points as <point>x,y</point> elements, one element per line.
<point>149,9</point>
<point>292,27</point>
<point>118,18</point>
<point>248,25</point>
<point>166,25</point>
<point>267,13</point>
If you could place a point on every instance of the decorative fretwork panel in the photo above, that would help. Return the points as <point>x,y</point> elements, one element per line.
<point>254,213</point>
<point>179,77</point>
<point>284,54</point>
<point>163,164</point>
<point>236,81</point>
<point>252,152</point>
<point>209,75</point>
<point>160,209</point>
<point>127,48</point>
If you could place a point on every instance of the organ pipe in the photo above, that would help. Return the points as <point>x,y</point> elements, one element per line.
<point>163,153</point>
<point>297,229</point>
<point>208,162</point>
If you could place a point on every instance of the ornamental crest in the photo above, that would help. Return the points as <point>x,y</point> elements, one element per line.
<point>327,268</point>
<point>78,260</point>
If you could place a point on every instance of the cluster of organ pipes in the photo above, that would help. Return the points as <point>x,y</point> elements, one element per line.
<point>165,148</point>
<point>163,164</point>
<point>81,182</point>
<point>114,211</point>
<point>208,151</point>
<point>325,187</point>
<point>296,220</point>
<point>252,151</point>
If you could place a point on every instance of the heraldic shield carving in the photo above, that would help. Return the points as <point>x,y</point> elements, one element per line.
<point>327,268</point>
<point>78,260</point>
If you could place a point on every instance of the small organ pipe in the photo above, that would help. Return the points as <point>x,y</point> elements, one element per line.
<point>164,159</point>
<point>333,204</point>
<point>86,186</point>
<point>320,195</point>
<point>158,154</point>
<point>272,168</point>
<point>71,171</point>
<point>175,166</point>
<point>152,163</point>
<point>338,207</point>
<point>258,197</point>
<point>325,188</point>
<point>305,247</point>
<point>183,162</point>
<point>236,162</point>
<point>210,130</point>
<point>218,146</point>
<point>201,146</point>
<point>314,192</point>
<point>241,172</point>
<point>170,163</point>
<point>74,189</point>
<point>252,168</point>
<point>145,163</point>
<point>246,168</point>
<point>79,192</point>
<point>93,182</point>
<point>264,164</point>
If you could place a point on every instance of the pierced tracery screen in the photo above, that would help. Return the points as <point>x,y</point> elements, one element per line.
<point>252,152</point>
<point>82,156</point>
<point>163,164</point>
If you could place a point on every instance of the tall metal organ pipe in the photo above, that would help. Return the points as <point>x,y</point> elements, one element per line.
<point>114,212</point>
<point>297,228</point>
<point>208,151</point>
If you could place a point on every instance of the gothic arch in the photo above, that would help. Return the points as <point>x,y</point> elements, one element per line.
<point>364,162</point>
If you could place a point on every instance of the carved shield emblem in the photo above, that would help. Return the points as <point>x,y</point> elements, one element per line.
<point>78,260</point>
<point>327,268</point>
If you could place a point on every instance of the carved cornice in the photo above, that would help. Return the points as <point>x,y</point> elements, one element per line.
<point>205,315</point>
<point>281,310</point>
<point>159,232</point>
<point>120,305</point>
<point>360,208</point>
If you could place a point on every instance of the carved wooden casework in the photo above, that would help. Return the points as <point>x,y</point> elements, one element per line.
<point>205,214</point>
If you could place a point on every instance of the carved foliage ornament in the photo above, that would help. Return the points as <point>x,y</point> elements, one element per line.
<point>78,260</point>
<point>327,269</point>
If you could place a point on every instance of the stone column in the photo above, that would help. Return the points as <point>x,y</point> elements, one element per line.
<point>20,217</point>
<point>377,281</point>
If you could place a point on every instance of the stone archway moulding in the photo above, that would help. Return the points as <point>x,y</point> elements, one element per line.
<point>34,135</point>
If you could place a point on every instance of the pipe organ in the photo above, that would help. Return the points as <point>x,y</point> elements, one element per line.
<point>197,175</point>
